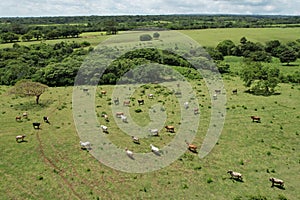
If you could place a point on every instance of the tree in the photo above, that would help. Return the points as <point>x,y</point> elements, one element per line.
<point>226,47</point>
<point>287,56</point>
<point>26,87</point>
<point>260,79</point>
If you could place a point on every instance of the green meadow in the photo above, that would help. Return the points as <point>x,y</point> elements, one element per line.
<point>50,164</point>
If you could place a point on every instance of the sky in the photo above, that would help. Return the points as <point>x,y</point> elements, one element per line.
<point>39,8</point>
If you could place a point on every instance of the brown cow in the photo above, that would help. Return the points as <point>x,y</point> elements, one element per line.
<point>170,129</point>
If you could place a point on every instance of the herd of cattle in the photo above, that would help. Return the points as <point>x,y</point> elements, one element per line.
<point>154,132</point>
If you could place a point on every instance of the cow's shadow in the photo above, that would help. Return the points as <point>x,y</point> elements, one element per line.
<point>279,187</point>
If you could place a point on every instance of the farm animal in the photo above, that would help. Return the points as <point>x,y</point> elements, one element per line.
<point>153,132</point>
<point>129,153</point>
<point>119,114</point>
<point>235,175</point>
<point>154,149</point>
<point>25,115</point>
<point>85,145</point>
<point>196,111</point>
<point>218,91</point>
<point>150,96</point>
<point>20,137</point>
<point>126,103</point>
<point>104,128</point>
<point>170,129</point>
<point>18,118</point>
<point>186,105</point>
<point>215,96</point>
<point>105,117</point>
<point>140,101</point>
<point>103,92</point>
<point>255,118</point>
<point>36,125</point>
<point>234,91</point>
<point>124,118</point>
<point>276,181</point>
<point>85,89</point>
<point>46,119</point>
<point>135,139</point>
<point>191,147</point>
<point>116,101</point>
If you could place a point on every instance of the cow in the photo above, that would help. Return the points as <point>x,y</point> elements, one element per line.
<point>140,101</point>
<point>196,111</point>
<point>218,91</point>
<point>126,103</point>
<point>234,91</point>
<point>20,137</point>
<point>18,118</point>
<point>119,114</point>
<point>255,118</point>
<point>103,92</point>
<point>150,96</point>
<point>46,119</point>
<point>276,181</point>
<point>116,101</point>
<point>36,125</point>
<point>235,175</point>
<point>170,129</point>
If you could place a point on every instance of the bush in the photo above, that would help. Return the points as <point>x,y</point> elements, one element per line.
<point>145,37</point>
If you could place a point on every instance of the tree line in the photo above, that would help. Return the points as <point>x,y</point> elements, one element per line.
<point>36,28</point>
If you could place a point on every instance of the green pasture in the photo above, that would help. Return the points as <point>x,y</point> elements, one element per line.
<point>51,165</point>
<point>212,37</point>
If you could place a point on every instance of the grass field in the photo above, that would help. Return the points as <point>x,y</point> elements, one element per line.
<point>51,164</point>
<point>211,37</point>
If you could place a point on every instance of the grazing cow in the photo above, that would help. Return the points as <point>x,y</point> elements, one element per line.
<point>46,119</point>
<point>154,132</point>
<point>191,147</point>
<point>154,149</point>
<point>235,175</point>
<point>25,115</point>
<point>119,114</point>
<point>36,125</point>
<point>103,92</point>
<point>105,117</point>
<point>135,139</point>
<point>140,101</point>
<point>104,128</point>
<point>186,105</point>
<point>85,89</point>
<point>215,96</point>
<point>276,181</point>
<point>255,118</point>
<point>218,91</point>
<point>116,101</point>
<point>18,118</point>
<point>85,145</point>
<point>234,91</point>
<point>196,111</point>
<point>124,118</point>
<point>126,103</point>
<point>150,96</point>
<point>20,137</point>
<point>170,129</point>
<point>129,153</point>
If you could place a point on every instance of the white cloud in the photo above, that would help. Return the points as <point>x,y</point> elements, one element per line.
<point>138,7</point>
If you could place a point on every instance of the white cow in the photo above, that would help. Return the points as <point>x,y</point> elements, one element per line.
<point>104,128</point>
<point>124,118</point>
<point>153,132</point>
<point>186,105</point>
<point>85,145</point>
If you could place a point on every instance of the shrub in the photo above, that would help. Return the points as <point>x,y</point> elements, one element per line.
<point>145,37</point>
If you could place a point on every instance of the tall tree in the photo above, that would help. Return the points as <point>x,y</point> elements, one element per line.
<point>28,88</point>
<point>261,79</point>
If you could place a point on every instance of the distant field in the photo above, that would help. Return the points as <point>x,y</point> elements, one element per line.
<point>211,37</point>
<point>205,37</point>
